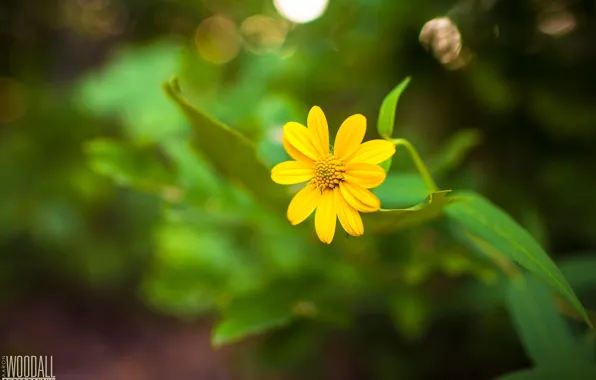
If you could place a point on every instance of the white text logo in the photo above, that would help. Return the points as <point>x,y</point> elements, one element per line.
<point>27,367</point>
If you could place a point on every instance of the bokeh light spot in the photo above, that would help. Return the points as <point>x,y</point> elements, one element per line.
<point>301,11</point>
<point>217,40</point>
<point>556,23</point>
<point>94,18</point>
<point>262,34</point>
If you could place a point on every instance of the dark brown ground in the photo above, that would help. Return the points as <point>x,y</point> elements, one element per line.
<point>102,340</point>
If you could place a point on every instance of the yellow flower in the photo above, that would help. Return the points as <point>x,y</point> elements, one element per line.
<point>338,182</point>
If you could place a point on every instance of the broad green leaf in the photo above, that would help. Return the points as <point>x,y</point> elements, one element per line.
<point>543,331</point>
<point>178,294</point>
<point>401,190</point>
<point>129,165</point>
<point>197,179</point>
<point>256,314</point>
<point>128,88</point>
<point>430,208</point>
<point>579,372</point>
<point>488,222</point>
<point>386,122</point>
<point>277,305</point>
<point>230,153</point>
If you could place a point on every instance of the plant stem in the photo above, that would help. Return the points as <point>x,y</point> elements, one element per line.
<point>428,180</point>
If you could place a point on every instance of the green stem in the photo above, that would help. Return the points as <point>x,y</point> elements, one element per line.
<point>430,182</point>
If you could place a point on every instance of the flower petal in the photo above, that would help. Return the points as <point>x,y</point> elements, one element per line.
<point>374,152</point>
<point>359,197</point>
<point>303,204</point>
<point>301,139</point>
<point>325,217</point>
<point>317,124</point>
<point>349,136</point>
<point>293,152</point>
<point>348,217</point>
<point>291,172</point>
<point>365,175</point>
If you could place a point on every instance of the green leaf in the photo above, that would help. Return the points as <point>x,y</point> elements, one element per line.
<point>249,317</point>
<point>455,150</point>
<point>580,372</point>
<point>230,153</point>
<point>386,122</point>
<point>490,223</point>
<point>279,304</point>
<point>401,190</point>
<point>129,165</point>
<point>430,208</point>
<point>581,271</point>
<point>410,312</point>
<point>256,314</point>
<point>543,331</point>
<point>197,179</point>
<point>386,165</point>
<point>128,88</point>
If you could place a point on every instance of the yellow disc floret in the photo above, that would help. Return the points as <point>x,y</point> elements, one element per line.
<point>329,172</point>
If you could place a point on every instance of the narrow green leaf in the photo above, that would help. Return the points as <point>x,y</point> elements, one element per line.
<point>581,271</point>
<point>490,223</point>
<point>543,331</point>
<point>580,372</point>
<point>385,124</point>
<point>230,153</point>
<point>430,208</point>
<point>455,150</point>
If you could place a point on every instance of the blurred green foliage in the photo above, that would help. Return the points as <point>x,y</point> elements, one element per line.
<point>114,185</point>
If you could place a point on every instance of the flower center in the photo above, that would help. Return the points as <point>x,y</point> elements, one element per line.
<point>329,172</point>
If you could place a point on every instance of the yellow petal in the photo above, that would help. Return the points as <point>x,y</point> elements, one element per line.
<point>359,197</point>
<point>317,124</point>
<point>303,204</point>
<point>350,135</point>
<point>301,139</point>
<point>365,175</point>
<point>325,217</point>
<point>291,172</point>
<point>348,217</point>
<point>374,152</point>
<point>293,152</point>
